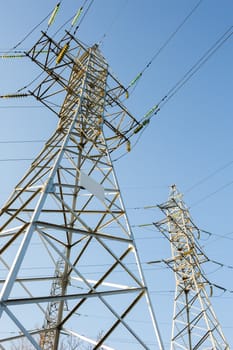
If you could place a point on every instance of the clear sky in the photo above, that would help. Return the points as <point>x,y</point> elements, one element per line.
<point>189,142</point>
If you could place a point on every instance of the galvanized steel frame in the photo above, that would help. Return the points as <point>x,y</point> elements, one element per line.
<point>54,207</point>
<point>194,325</point>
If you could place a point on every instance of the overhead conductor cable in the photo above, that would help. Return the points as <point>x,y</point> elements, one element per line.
<point>139,75</point>
<point>186,77</point>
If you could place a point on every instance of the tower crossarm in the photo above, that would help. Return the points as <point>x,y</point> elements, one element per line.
<point>57,60</point>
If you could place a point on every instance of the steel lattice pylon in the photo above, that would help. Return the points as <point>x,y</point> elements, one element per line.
<point>70,263</point>
<point>195,325</point>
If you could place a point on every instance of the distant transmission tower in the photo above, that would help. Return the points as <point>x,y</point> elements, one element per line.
<point>195,325</point>
<point>68,261</point>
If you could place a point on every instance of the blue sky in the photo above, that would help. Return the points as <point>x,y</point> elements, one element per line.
<point>188,143</point>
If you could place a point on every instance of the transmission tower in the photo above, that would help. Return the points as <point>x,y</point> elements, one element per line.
<point>69,261</point>
<point>195,325</point>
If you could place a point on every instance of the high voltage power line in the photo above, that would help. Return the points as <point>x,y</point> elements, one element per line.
<point>144,121</point>
<point>208,177</point>
<point>51,18</point>
<point>196,184</point>
<point>221,188</point>
<point>189,74</point>
<point>135,81</point>
<point>212,193</point>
